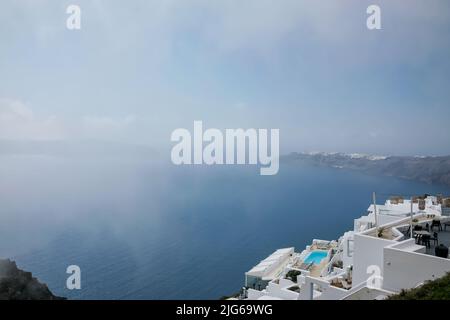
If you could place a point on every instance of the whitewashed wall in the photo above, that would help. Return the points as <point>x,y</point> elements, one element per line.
<point>405,270</point>
<point>368,251</point>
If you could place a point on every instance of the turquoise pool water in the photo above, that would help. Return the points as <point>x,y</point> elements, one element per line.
<point>316,256</point>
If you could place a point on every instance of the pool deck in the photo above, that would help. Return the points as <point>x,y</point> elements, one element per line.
<point>316,270</point>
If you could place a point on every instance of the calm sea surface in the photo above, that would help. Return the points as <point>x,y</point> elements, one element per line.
<point>141,231</point>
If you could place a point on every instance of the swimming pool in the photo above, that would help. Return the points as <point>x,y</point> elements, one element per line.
<point>316,256</point>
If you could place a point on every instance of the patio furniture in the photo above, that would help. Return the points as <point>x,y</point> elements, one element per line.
<point>436,223</point>
<point>425,240</point>
<point>419,234</point>
<point>441,251</point>
<point>435,239</point>
<point>446,224</point>
<point>346,285</point>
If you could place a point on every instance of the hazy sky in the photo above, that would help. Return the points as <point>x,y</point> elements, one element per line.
<point>137,70</point>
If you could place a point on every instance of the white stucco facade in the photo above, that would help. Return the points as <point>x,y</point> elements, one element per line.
<point>375,259</point>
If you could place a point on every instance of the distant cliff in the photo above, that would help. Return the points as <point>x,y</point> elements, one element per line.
<point>16,284</point>
<point>432,170</point>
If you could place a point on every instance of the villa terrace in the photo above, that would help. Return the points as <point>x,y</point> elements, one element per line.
<point>403,249</point>
<point>429,231</point>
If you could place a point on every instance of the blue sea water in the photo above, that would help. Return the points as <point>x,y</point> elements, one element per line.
<point>140,231</point>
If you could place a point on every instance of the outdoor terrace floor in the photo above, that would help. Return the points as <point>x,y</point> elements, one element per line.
<point>443,237</point>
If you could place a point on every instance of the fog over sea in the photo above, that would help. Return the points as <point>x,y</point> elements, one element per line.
<point>145,230</point>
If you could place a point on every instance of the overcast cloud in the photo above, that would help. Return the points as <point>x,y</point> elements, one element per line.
<point>140,69</point>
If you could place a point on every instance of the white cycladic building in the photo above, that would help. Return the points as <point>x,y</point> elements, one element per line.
<point>381,256</point>
<point>268,269</point>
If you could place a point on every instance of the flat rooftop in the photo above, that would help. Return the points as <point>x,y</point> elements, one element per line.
<point>269,264</point>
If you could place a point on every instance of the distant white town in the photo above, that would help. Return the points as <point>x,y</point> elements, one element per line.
<point>397,245</point>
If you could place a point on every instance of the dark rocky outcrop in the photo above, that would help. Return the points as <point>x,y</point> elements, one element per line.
<point>16,284</point>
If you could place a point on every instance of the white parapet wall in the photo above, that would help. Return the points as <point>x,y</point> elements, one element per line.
<point>253,294</point>
<point>318,289</point>
<point>268,268</point>
<point>368,251</point>
<point>281,290</point>
<point>406,269</point>
<point>367,293</point>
